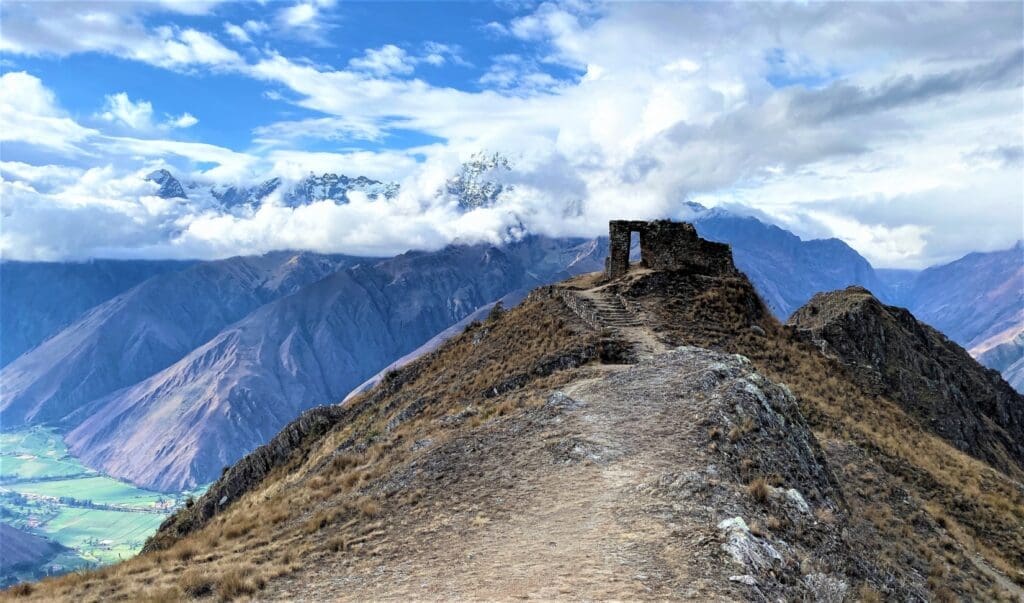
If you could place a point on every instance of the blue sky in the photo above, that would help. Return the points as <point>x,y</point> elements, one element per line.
<point>869,122</point>
<point>233,106</point>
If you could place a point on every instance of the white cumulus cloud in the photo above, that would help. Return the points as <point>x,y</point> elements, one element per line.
<point>138,115</point>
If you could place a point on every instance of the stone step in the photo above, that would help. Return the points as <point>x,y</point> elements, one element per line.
<point>611,312</point>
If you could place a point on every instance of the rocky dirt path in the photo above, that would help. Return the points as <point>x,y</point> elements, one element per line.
<point>584,498</point>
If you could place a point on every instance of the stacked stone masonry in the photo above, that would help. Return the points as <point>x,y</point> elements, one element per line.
<point>665,245</point>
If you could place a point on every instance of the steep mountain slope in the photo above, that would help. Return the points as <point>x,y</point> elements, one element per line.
<point>435,342</point>
<point>1006,357</point>
<point>786,270</point>
<point>180,427</point>
<point>145,329</point>
<point>23,552</point>
<point>567,448</point>
<point>37,299</point>
<point>889,352</point>
<point>973,299</point>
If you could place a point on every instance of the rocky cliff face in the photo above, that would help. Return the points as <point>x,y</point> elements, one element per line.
<point>892,353</point>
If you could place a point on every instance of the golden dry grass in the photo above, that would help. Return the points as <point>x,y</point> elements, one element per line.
<point>325,501</point>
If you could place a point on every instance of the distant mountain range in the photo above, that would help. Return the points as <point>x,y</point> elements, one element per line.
<point>785,269</point>
<point>978,302</point>
<point>162,373</point>
<point>478,183</point>
<point>171,380</point>
<point>976,299</point>
<point>310,189</point>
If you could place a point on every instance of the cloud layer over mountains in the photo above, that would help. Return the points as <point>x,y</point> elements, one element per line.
<point>896,128</point>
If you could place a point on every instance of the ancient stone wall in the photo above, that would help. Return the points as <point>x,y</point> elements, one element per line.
<point>665,245</point>
<point>582,306</point>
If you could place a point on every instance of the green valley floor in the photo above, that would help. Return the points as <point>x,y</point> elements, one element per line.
<point>46,491</point>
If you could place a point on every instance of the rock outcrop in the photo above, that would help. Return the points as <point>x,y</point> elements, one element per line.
<point>889,352</point>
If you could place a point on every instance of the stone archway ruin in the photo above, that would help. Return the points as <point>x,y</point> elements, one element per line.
<point>665,245</point>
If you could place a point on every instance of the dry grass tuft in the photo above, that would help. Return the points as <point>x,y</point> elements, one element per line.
<point>161,595</point>
<point>825,515</point>
<point>234,584</point>
<point>480,520</point>
<point>368,507</point>
<point>195,583</point>
<point>185,553</point>
<point>759,490</point>
<point>869,594</point>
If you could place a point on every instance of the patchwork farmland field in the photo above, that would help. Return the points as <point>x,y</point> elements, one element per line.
<point>99,535</point>
<point>47,492</point>
<point>101,490</point>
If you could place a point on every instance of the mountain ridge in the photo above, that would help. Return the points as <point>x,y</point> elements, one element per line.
<point>642,438</point>
<point>890,352</point>
<point>40,298</point>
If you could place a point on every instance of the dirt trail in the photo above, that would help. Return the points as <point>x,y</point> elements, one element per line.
<point>574,501</point>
